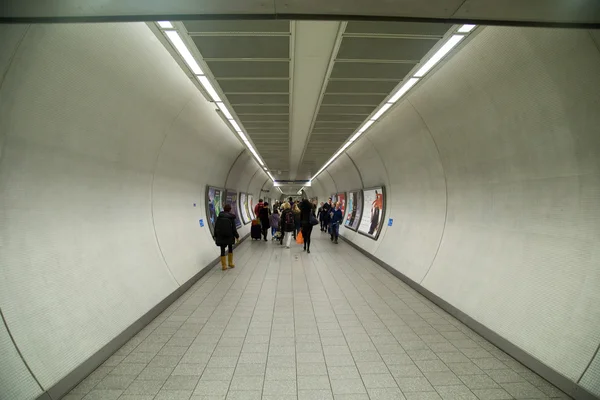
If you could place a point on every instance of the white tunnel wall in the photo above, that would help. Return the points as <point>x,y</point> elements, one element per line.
<point>106,150</point>
<point>492,170</point>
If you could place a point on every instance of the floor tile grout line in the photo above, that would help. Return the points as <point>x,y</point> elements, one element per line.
<point>272,252</point>
<point>237,276</point>
<point>207,296</point>
<point>316,323</point>
<point>345,340</point>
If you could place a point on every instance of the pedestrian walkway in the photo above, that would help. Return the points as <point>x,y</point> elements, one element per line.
<point>287,325</point>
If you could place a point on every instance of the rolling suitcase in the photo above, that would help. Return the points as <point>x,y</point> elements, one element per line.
<point>255,232</point>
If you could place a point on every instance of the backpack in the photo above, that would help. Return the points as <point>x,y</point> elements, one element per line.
<point>289,219</point>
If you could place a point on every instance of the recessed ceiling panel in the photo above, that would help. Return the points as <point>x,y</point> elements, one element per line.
<point>336,125</point>
<point>249,69</point>
<point>237,26</point>
<point>336,117</point>
<point>354,48</point>
<point>397,28</point>
<point>327,131</point>
<point>365,70</point>
<point>266,117</point>
<point>333,99</point>
<point>383,87</point>
<point>242,110</point>
<point>342,110</point>
<point>254,86</point>
<point>239,47</point>
<point>276,99</point>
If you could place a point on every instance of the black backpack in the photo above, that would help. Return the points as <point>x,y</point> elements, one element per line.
<point>289,219</point>
<point>223,229</point>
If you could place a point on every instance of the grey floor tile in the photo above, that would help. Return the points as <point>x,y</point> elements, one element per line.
<point>280,373</point>
<point>217,374</point>
<point>244,395</point>
<point>355,396</point>
<point>173,395</point>
<point>212,388</point>
<point>130,397</point>
<point>422,355</point>
<point>442,378</point>
<point>371,367</point>
<point>314,382</point>
<point>164,361</point>
<point>454,357</point>
<point>422,396</point>
<point>181,382</point>
<point>504,376</point>
<point>378,381</point>
<point>397,359</point>
<point>418,384</point>
<point>250,369</point>
<point>361,356</point>
<point>103,394</point>
<point>347,386</point>
<point>115,382</point>
<point>280,397</point>
<point>140,387</point>
<point>315,395</point>
<point>465,368</point>
<point>128,369</point>
<point>139,357</point>
<point>479,382</point>
<point>455,392</point>
<point>405,371</point>
<point>222,362</point>
<point>343,372</point>
<point>492,394</point>
<point>155,373</point>
<point>489,363</point>
<point>523,390</point>
<point>316,357</point>
<point>252,383</point>
<point>318,368</point>
<point>279,387</point>
<point>432,366</point>
<point>386,394</point>
<point>75,396</point>
<point>189,369</point>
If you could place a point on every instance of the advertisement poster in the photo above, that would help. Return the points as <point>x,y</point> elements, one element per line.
<point>244,208</point>
<point>341,197</point>
<point>373,210</point>
<point>354,206</point>
<point>232,199</point>
<point>214,204</point>
<point>251,206</point>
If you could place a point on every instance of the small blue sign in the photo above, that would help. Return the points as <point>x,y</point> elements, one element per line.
<point>390,222</point>
<point>201,223</point>
<point>194,204</point>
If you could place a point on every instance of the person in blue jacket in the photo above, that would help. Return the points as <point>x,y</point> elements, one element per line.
<point>336,219</point>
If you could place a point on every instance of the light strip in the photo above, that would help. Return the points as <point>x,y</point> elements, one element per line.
<point>405,88</point>
<point>209,88</point>
<point>184,52</point>
<point>466,28</point>
<point>445,49</point>
<point>382,110</point>
<point>165,24</point>
<point>224,110</point>
<point>362,130</point>
<point>235,125</point>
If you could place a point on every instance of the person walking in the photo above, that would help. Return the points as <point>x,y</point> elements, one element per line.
<point>258,206</point>
<point>287,224</point>
<point>306,211</point>
<point>263,214</point>
<point>226,235</point>
<point>274,222</point>
<point>336,220</point>
<point>327,207</point>
<point>297,220</point>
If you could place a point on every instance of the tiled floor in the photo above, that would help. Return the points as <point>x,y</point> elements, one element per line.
<point>287,325</point>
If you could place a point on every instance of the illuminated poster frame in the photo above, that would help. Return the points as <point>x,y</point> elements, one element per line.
<point>366,213</point>
<point>357,204</point>
<point>231,197</point>
<point>213,208</point>
<point>341,197</point>
<point>243,207</point>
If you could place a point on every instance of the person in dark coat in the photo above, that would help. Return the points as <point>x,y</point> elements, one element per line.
<point>306,210</point>
<point>263,215</point>
<point>287,224</point>
<point>326,209</point>
<point>336,219</point>
<point>226,235</point>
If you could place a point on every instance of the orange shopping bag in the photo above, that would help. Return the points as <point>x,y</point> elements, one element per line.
<point>299,238</point>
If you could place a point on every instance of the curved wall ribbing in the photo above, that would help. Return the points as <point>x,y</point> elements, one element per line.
<point>106,150</point>
<point>492,167</point>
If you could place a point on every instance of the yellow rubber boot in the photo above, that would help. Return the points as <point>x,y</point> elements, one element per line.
<point>231,264</point>
<point>223,264</point>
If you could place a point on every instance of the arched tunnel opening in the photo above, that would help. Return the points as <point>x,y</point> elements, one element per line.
<point>465,158</point>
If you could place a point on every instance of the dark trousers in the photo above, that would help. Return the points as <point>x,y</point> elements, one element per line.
<point>306,232</point>
<point>265,229</point>
<point>229,248</point>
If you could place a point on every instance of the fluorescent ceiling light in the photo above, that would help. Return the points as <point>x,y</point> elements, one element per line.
<point>165,24</point>
<point>362,130</point>
<point>224,110</point>
<point>184,52</point>
<point>445,49</point>
<point>405,88</point>
<point>209,88</point>
<point>255,154</point>
<point>466,28</point>
<point>235,125</point>
<point>382,110</point>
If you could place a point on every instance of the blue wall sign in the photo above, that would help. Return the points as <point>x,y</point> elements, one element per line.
<point>390,222</point>
<point>201,223</point>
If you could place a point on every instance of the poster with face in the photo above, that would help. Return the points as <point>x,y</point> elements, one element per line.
<point>341,198</point>
<point>354,207</point>
<point>373,209</point>
<point>244,208</point>
<point>214,205</point>
<point>232,200</point>
<point>251,206</point>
